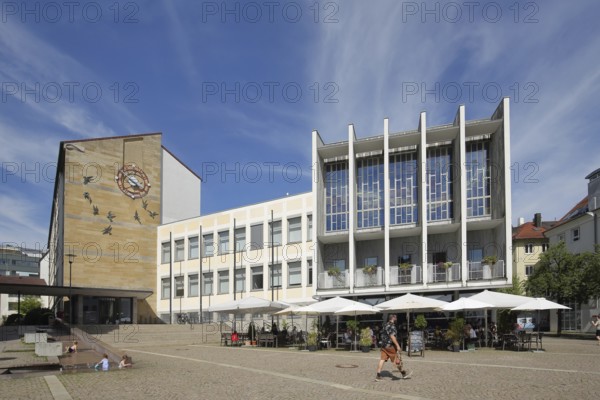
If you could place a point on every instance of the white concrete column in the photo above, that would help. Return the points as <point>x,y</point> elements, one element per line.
<point>463,194</point>
<point>507,191</point>
<point>386,203</point>
<point>423,193</point>
<point>351,206</point>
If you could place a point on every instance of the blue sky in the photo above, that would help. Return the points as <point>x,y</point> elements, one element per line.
<point>237,88</point>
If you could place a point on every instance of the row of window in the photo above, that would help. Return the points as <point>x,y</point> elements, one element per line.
<point>529,248</point>
<point>294,235</point>
<point>403,170</point>
<point>294,279</point>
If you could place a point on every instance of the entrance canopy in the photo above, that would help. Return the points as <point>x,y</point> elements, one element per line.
<point>38,287</point>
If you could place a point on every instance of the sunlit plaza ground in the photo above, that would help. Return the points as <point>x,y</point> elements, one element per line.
<point>567,369</point>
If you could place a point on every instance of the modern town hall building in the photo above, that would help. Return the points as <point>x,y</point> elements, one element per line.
<point>425,211</point>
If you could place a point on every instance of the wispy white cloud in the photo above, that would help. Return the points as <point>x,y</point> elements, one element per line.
<point>18,220</point>
<point>26,60</point>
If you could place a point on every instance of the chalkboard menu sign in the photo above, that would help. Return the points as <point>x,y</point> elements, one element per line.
<point>416,343</point>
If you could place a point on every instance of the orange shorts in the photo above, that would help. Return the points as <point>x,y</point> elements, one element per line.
<point>388,353</point>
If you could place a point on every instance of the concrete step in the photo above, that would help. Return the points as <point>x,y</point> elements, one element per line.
<point>135,335</point>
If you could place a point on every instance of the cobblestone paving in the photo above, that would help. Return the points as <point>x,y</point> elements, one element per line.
<point>568,369</point>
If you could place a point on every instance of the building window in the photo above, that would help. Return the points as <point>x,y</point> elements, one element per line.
<point>370,261</point>
<point>369,192</point>
<point>165,252</point>
<point>240,239</point>
<point>240,280</point>
<point>193,248</point>
<point>179,250</point>
<point>294,274</point>
<point>561,237</point>
<point>529,248</point>
<point>309,269</point>
<point>339,264</point>
<point>223,242</point>
<point>404,193</point>
<point>478,179</point>
<point>275,235</point>
<point>309,229</point>
<point>575,234</point>
<point>207,287</point>
<point>179,286</point>
<point>336,196</point>
<point>165,288</point>
<point>545,247</point>
<point>275,278</point>
<point>294,230</point>
<point>223,282</point>
<point>257,278</point>
<point>193,285</point>
<point>208,245</point>
<point>256,237</point>
<point>529,270</point>
<point>439,183</point>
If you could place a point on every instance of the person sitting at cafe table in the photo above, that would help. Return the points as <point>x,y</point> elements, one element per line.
<point>235,339</point>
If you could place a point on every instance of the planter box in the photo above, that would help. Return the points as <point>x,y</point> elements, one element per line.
<point>36,337</point>
<point>48,349</point>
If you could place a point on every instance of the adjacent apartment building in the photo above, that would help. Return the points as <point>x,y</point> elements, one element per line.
<point>579,230</point>
<point>529,242</point>
<point>426,211</point>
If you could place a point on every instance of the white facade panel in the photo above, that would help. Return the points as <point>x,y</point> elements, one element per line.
<point>180,190</point>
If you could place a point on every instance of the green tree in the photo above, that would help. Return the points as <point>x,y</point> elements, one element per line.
<point>591,273</point>
<point>559,275</point>
<point>29,303</point>
<point>517,287</point>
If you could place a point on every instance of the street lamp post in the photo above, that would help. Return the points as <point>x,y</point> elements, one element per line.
<point>71,259</point>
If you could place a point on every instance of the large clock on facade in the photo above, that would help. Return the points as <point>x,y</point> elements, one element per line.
<point>133,181</point>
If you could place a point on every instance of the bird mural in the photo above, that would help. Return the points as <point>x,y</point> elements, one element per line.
<point>107,230</point>
<point>137,217</point>
<point>111,216</point>
<point>86,195</point>
<point>152,214</point>
<point>96,211</point>
<point>144,204</point>
<point>87,179</point>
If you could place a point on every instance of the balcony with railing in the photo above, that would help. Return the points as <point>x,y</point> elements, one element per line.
<point>334,279</point>
<point>443,272</point>
<point>406,274</point>
<point>369,276</point>
<point>482,271</point>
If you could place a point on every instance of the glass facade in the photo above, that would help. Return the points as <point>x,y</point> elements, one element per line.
<point>478,179</point>
<point>336,196</point>
<point>403,189</point>
<point>439,183</point>
<point>369,192</point>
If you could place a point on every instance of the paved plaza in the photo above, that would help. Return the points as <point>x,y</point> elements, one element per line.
<point>567,369</point>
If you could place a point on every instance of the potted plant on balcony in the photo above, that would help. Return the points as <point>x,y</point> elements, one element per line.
<point>334,271</point>
<point>455,333</point>
<point>405,266</point>
<point>490,260</point>
<point>370,269</point>
<point>447,264</point>
<point>366,341</point>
